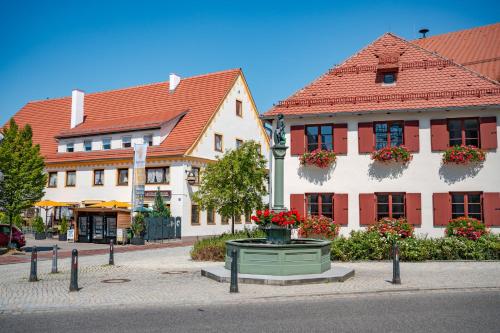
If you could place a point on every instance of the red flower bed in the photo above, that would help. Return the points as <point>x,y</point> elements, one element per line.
<point>320,158</point>
<point>265,218</point>
<point>318,226</point>
<point>391,228</point>
<point>466,227</point>
<point>463,155</point>
<point>397,154</point>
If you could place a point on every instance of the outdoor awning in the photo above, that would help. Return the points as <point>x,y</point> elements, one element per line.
<point>50,203</point>
<point>111,204</point>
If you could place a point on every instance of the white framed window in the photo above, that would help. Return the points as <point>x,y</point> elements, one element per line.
<point>70,147</point>
<point>148,138</point>
<point>106,143</point>
<point>87,145</point>
<point>126,142</point>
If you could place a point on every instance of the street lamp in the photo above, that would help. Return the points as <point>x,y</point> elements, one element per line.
<point>1,173</point>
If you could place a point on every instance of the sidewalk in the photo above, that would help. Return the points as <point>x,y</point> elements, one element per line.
<point>168,277</point>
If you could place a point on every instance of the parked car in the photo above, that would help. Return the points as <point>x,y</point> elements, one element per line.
<point>17,236</point>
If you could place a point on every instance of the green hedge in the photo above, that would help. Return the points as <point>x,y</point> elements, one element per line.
<point>214,248</point>
<point>363,245</point>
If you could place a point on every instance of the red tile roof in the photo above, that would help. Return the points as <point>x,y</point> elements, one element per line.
<point>424,80</point>
<point>478,48</point>
<point>144,106</point>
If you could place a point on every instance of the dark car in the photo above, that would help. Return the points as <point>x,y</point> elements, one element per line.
<point>17,236</point>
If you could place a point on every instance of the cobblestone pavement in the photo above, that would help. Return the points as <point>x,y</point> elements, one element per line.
<point>168,277</point>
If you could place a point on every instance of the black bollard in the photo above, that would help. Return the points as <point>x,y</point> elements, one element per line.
<point>73,285</point>
<point>234,272</point>
<point>111,253</point>
<point>396,277</point>
<point>34,255</point>
<point>54,259</point>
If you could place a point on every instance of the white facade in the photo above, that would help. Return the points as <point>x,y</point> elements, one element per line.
<point>356,173</point>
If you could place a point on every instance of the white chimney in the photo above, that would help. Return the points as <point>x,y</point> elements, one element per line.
<point>77,97</point>
<point>174,82</point>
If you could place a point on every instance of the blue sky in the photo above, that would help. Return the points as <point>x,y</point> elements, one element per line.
<point>49,48</point>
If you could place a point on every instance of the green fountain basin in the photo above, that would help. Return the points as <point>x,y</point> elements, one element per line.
<point>300,256</point>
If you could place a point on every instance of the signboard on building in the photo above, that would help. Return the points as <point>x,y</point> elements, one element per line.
<point>139,178</point>
<point>165,194</point>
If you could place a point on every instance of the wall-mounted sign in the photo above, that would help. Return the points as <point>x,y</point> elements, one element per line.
<point>140,151</point>
<point>164,194</point>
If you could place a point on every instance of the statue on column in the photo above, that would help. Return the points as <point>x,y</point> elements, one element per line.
<point>279,133</point>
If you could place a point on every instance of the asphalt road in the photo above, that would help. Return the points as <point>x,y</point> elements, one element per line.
<point>396,312</point>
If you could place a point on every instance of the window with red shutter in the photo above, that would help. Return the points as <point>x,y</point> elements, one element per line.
<point>366,138</point>
<point>439,134</point>
<point>414,208</point>
<point>340,208</point>
<point>340,138</point>
<point>411,133</point>
<point>442,208</point>
<point>491,208</point>
<point>390,205</point>
<point>366,208</point>
<point>388,134</point>
<point>488,132</point>
<point>297,201</point>
<point>320,204</point>
<point>297,138</point>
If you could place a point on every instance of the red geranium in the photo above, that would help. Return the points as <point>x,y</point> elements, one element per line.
<point>320,158</point>
<point>463,154</point>
<point>267,217</point>
<point>318,226</point>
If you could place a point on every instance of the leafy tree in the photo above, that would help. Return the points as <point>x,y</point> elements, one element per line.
<point>23,171</point>
<point>159,208</point>
<point>234,184</point>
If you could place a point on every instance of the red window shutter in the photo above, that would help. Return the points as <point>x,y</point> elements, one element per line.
<point>366,139</point>
<point>488,131</point>
<point>414,208</point>
<point>442,208</point>
<point>340,138</point>
<point>297,201</point>
<point>367,208</point>
<point>440,138</point>
<point>297,139</point>
<point>491,208</point>
<point>411,134</point>
<point>340,208</point>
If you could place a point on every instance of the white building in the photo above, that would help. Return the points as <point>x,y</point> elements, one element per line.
<point>398,92</point>
<point>87,141</point>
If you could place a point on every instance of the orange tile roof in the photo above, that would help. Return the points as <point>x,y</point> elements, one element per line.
<point>477,48</point>
<point>424,80</point>
<point>147,106</point>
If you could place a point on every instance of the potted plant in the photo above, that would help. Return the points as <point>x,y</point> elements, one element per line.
<point>277,225</point>
<point>63,228</point>
<point>464,155</point>
<point>392,154</point>
<point>320,158</point>
<point>137,229</point>
<point>39,228</point>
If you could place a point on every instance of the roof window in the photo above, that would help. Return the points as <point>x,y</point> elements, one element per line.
<point>389,78</point>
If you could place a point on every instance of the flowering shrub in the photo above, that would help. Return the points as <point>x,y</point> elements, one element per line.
<point>391,228</point>
<point>387,154</point>
<point>320,158</point>
<point>268,217</point>
<point>463,155</point>
<point>466,227</point>
<point>318,226</point>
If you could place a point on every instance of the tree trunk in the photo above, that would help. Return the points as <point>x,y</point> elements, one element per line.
<point>232,224</point>
<point>10,245</point>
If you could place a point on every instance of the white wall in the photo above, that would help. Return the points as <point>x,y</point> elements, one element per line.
<point>355,173</point>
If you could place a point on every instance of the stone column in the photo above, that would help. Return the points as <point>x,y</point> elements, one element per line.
<point>279,152</point>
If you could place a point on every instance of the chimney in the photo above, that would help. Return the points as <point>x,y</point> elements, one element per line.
<point>174,82</point>
<point>77,97</point>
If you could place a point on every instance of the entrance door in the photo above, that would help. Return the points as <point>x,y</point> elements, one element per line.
<point>84,235</point>
<point>98,228</point>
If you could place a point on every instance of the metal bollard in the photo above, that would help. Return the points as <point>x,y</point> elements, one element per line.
<point>111,253</point>
<point>34,255</point>
<point>396,277</point>
<point>73,285</point>
<point>54,259</point>
<point>234,272</point>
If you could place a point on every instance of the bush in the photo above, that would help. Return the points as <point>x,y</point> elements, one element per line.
<point>465,227</point>
<point>368,245</point>
<point>318,226</point>
<point>392,229</point>
<point>214,248</point>
<point>63,226</point>
<point>138,225</point>
<point>38,225</point>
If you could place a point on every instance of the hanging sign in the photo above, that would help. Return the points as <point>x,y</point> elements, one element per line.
<point>139,179</point>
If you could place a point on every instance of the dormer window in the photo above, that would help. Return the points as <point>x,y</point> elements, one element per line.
<point>106,143</point>
<point>87,145</point>
<point>148,139</point>
<point>70,147</point>
<point>126,142</point>
<point>389,78</point>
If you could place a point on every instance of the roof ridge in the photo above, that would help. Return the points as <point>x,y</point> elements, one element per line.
<point>459,31</point>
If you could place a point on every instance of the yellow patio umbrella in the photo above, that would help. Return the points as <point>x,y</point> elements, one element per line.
<point>48,204</point>
<point>112,204</point>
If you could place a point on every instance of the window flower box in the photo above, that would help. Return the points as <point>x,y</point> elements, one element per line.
<point>464,155</point>
<point>320,158</point>
<point>392,154</point>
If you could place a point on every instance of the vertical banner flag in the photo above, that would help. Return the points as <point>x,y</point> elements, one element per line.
<point>139,176</point>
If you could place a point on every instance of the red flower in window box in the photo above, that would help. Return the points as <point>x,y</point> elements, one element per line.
<point>266,218</point>
<point>318,227</point>
<point>464,154</point>
<point>466,227</point>
<point>319,158</point>
<point>389,154</point>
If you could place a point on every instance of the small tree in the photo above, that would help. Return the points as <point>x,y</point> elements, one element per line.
<point>23,170</point>
<point>159,208</point>
<point>235,184</point>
